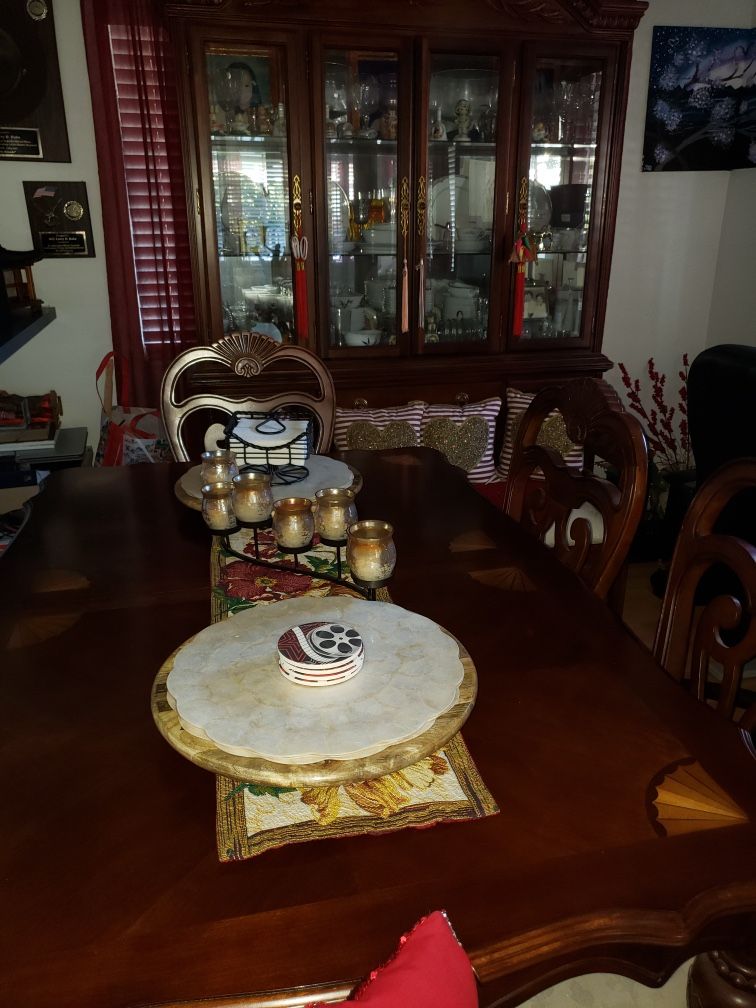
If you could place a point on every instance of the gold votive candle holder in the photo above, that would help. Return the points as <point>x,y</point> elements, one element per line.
<point>253,498</point>
<point>218,466</point>
<point>371,553</point>
<point>217,507</point>
<point>336,511</point>
<point>293,524</point>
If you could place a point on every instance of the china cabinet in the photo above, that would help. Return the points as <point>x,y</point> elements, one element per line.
<point>423,193</point>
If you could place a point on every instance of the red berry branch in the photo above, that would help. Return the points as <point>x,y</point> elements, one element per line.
<point>670,446</point>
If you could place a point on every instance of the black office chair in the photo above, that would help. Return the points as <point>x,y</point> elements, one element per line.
<point>721,401</point>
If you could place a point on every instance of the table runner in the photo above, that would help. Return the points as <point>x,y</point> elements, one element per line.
<point>253,818</point>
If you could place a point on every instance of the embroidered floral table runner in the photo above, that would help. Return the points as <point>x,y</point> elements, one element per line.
<point>252,818</point>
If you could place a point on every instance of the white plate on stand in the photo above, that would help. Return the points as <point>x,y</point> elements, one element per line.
<point>441,204</point>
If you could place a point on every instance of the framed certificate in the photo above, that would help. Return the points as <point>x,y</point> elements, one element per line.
<point>32,116</point>
<point>59,218</point>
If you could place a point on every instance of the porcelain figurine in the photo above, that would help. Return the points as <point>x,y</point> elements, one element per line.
<point>462,118</point>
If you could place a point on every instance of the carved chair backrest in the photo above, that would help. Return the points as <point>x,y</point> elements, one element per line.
<point>712,643</point>
<point>246,355</point>
<point>591,520</point>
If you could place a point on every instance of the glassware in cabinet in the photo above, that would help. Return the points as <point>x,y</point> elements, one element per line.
<point>463,94</point>
<point>365,249</point>
<point>249,169</point>
<point>561,167</point>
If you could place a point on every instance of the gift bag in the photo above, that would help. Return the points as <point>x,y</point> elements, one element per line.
<point>128,434</point>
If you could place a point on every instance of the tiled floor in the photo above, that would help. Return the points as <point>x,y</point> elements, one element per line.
<point>605,990</point>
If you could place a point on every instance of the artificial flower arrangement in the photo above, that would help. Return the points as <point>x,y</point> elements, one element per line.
<point>670,447</point>
<point>666,428</point>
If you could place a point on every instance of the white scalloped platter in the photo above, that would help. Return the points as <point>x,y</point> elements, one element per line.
<point>226,687</point>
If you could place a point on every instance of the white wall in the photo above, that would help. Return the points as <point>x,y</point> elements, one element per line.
<point>65,355</point>
<point>732,318</point>
<point>669,226</point>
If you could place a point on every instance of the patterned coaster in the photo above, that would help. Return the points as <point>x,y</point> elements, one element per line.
<point>253,818</point>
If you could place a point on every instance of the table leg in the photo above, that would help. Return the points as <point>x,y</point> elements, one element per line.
<point>723,980</point>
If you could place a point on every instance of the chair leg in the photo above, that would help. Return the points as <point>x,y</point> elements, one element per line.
<point>616,597</point>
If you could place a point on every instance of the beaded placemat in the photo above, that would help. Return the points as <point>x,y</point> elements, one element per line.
<point>252,818</point>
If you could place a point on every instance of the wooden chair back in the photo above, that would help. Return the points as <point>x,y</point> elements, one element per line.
<point>260,375</point>
<point>711,643</point>
<point>591,520</point>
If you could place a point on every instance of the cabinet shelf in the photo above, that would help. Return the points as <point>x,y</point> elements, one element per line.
<point>563,148</point>
<point>474,146</point>
<point>362,144</point>
<point>238,142</point>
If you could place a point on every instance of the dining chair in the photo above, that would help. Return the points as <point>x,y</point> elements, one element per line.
<point>244,372</point>
<point>711,641</point>
<point>588,518</point>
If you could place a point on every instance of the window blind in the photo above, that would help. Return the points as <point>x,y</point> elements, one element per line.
<point>153,171</point>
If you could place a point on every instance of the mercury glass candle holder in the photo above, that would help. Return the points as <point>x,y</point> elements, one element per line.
<point>218,466</point>
<point>293,524</point>
<point>217,508</point>
<point>336,511</point>
<point>253,499</point>
<point>371,553</point>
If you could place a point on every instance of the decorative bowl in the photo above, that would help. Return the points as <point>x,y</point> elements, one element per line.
<point>365,337</point>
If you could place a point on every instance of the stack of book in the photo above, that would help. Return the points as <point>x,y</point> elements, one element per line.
<point>28,423</point>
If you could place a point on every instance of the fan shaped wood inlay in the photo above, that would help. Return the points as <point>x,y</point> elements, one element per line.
<point>685,799</point>
<point>55,580</point>
<point>31,630</point>
<point>505,579</point>
<point>246,352</point>
<point>469,541</point>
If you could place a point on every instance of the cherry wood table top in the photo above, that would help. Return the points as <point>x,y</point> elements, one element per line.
<point>110,888</point>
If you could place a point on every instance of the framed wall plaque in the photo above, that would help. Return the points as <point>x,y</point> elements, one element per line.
<point>32,116</point>
<point>59,218</point>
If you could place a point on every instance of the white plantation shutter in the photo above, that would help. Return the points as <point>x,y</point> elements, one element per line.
<point>153,173</point>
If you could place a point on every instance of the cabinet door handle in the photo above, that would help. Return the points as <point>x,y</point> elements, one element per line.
<point>420,207</point>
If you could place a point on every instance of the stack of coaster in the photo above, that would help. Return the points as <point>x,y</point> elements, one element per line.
<point>320,654</point>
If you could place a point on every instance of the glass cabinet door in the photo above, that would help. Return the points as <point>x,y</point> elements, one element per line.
<point>250,184</point>
<point>563,146</point>
<point>362,116</point>
<point>460,133</point>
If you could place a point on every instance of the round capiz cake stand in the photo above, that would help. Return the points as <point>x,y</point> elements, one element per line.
<point>240,689</point>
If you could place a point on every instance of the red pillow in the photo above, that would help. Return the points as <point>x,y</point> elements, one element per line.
<point>428,970</point>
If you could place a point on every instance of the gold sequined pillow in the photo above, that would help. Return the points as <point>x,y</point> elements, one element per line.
<point>488,410</point>
<point>398,434</point>
<point>404,422</point>
<point>464,444</point>
<point>553,433</point>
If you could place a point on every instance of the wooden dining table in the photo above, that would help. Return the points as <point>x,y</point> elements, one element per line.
<point>110,887</point>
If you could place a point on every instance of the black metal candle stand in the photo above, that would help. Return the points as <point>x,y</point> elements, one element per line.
<point>364,588</point>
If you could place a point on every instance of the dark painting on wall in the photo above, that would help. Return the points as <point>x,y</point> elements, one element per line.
<point>59,218</point>
<point>701,111</point>
<point>32,117</point>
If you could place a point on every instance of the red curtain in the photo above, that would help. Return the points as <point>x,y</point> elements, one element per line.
<point>136,119</point>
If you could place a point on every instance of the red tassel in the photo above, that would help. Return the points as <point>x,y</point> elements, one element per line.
<point>519,301</point>
<point>301,321</point>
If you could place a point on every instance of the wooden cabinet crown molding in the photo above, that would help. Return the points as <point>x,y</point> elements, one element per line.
<point>590,15</point>
<point>607,15</point>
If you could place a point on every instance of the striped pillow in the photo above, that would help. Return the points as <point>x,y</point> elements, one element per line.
<point>517,403</point>
<point>489,409</point>
<point>409,417</point>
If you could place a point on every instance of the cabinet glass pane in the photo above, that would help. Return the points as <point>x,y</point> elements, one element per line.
<point>250,172</point>
<point>361,115</point>
<point>564,133</point>
<point>461,138</point>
